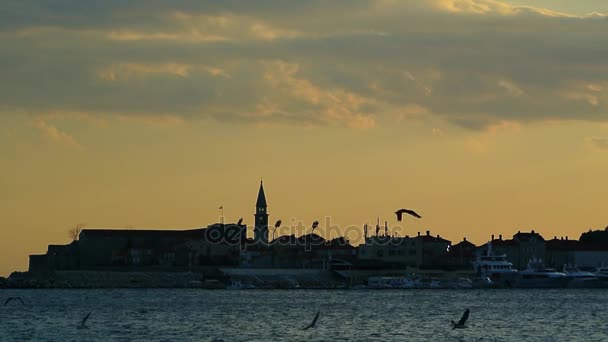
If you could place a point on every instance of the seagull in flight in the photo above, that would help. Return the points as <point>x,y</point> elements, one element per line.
<point>400,213</point>
<point>314,321</point>
<point>84,321</point>
<point>463,320</point>
<point>10,299</point>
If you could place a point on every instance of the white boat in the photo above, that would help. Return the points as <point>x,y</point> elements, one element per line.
<point>495,267</point>
<point>602,273</point>
<point>575,272</point>
<point>580,279</point>
<point>536,275</point>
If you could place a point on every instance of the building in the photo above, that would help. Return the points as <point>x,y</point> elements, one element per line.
<point>462,254</point>
<point>112,249</point>
<point>422,251</point>
<point>260,233</point>
<point>530,245</point>
<point>519,250</point>
<point>560,252</point>
<point>592,250</point>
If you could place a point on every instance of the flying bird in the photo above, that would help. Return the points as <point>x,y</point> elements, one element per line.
<point>314,321</point>
<point>240,221</point>
<point>407,211</point>
<point>84,321</point>
<point>10,299</point>
<point>463,320</point>
<point>278,224</point>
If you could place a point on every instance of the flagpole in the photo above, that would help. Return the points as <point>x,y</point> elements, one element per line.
<point>222,215</point>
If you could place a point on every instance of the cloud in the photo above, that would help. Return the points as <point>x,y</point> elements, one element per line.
<point>470,63</point>
<point>55,135</point>
<point>160,120</point>
<point>329,106</point>
<point>476,6</point>
<point>511,88</point>
<point>496,7</point>
<point>600,143</point>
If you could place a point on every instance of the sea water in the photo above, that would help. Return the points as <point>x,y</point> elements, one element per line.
<point>280,315</point>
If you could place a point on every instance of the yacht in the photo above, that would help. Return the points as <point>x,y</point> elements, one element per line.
<point>602,273</point>
<point>495,267</point>
<point>576,272</point>
<point>536,275</point>
<point>580,279</point>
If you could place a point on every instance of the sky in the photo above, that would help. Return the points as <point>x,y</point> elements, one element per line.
<point>485,116</point>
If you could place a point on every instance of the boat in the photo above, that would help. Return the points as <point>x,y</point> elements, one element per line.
<point>460,283</point>
<point>392,283</point>
<point>496,267</point>
<point>430,283</point>
<point>482,283</point>
<point>581,279</point>
<point>238,285</point>
<point>576,272</point>
<point>602,273</point>
<point>536,275</point>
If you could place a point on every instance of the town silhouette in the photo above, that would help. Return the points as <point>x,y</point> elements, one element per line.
<point>221,255</point>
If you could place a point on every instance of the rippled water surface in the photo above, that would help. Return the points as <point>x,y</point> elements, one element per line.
<point>256,315</point>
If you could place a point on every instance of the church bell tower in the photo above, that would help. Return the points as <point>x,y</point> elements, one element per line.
<point>260,232</point>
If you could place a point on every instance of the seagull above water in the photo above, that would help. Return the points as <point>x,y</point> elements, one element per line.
<point>400,212</point>
<point>463,320</point>
<point>10,299</point>
<point>314,321</point>
<point>84,321</point>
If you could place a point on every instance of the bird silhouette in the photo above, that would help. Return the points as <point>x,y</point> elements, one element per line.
<point>10,299</point>
<point>278,224</point>
<point>84,321</point>
<point>400,213</point>
<point>314,321</point>
<point>240,221</point>
<point>463,320</point>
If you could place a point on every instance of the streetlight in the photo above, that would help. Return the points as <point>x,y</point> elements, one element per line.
<point>276,226</point>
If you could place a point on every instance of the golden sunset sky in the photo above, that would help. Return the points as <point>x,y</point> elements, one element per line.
<point>486,116</point>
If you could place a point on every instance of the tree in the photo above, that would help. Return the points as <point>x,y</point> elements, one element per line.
<point>74,233</point>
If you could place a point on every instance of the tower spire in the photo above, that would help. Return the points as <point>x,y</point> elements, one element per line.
<point>261,217</point>
<point>261,202</point>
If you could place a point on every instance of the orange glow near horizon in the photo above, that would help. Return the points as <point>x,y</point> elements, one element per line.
<point>379,105</point>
